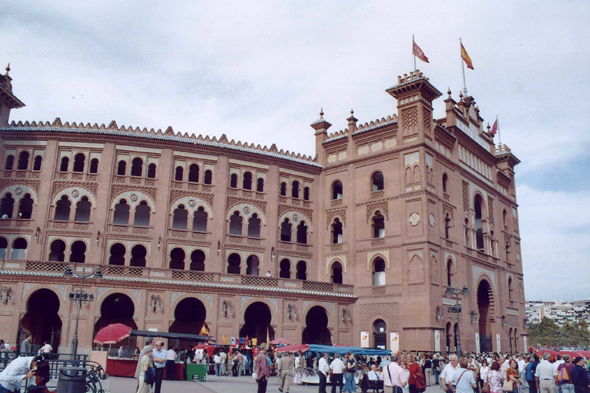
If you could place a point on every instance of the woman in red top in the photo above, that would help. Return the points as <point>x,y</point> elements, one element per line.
<point>513,375</point>
<point>413,368</point>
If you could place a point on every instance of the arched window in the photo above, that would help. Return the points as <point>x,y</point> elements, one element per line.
<point>137,167</point>
<point>283,189</point>
<point>37,163</point>
<point>177,256</point>
<point>180,218</point>
<point>83,210</point>
<point>379,272</point>
<point>62,209</point>
<point>260,185</point>
<point>142,215</point>
<point>151,171</point>
<point>233,264</point>
<point>235,224</point>
<point>286,231</point>
<point>449,273</point>
<point>7,206</point>
<point>121,168</point>
<point>285,269</point>
<point>19,249</point>
<point>200,220</point>
<point>306,193</point>
<point>479,223</point>
<point>233,180</point>
<point>378,225</point>
<point>447,227</point>
<point>252,266</point>
<point>302,233</point>
<point>379,334</point>
<point>208,177</point>
<point>295,189</point>
<point>247,181</point>
<point>510,288</point>
<point>198,261</point>
<point>504,217</point>
<point>138,254</point>
<point>117,256</point>
<point>254,226</point>
<point>4,246</point>
<point>9,162</point>
<point>57,251</point>
<point>467,233</point>
<point>94,165</point>
<point>25,207</point>
<point>179,173</point>
<point>193,173</point>
<point>337,235</point>
<point>23,160</point>
<point>78,252</point>
<point>445,181</point>
<point>337,190</point>
<point>121,216</point>
<point>79,161</point>
<point>336,273</point>
<point>301,270</point>
<point>63,166</point>
<point>377,181</point>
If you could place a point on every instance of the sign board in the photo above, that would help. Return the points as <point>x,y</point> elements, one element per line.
<point>437,341</point>
<point>365,339</point>
<point>477,345</point>
<point>394,342</point>
<point>498,343</point>
<point>525,341</point>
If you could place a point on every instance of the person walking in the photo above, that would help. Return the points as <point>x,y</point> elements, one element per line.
<point>394,377</point>
<point>159,354</point>
<point>545,375</point>
<point>297,369</point>
<point>285,372</point>
<point>337,367</point>
<point>170,360</point>
<point>564,374</point>
<point>580,378</point>
<point>529,373</point>
<point>349,381</point>
<point>262,369</point>
<point>217,362</point>
<point>25,346</point>
<point>145,363</point>
<point>495,378</point>
<point>448,371</point>
<point>414,368</point>
<point>462,379</point>
<point>222,363</point>
<point>323,370</point>
<point>147,348</point>
<point>512,374</point>
<point>427,370</point>
<point>436,369</point>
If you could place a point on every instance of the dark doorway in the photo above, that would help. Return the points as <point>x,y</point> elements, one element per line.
<point>380,334</point>
<point>116,308</point>
<point>484,291</point>
<point>257,320</point>
<point>41,319</point>
<point>316,327</point>
<point>189,317</point>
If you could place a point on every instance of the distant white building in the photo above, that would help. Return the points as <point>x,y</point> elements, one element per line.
<point>558,312</point>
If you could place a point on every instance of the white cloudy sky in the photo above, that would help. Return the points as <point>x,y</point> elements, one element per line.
<point>259,71</point>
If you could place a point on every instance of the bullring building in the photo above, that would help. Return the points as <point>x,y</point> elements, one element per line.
<point>355,246</point>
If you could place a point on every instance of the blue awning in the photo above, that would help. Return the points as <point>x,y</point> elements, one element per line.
<point>345,350</point>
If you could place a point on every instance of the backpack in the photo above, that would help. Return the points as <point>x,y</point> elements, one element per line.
<point>562,375</point>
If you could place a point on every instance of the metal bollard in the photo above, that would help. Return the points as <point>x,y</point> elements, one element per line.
<point>71,380</point>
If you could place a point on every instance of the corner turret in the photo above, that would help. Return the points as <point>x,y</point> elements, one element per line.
<point>8,100</point>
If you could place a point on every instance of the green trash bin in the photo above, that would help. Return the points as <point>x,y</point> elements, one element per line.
<point>198,370</point>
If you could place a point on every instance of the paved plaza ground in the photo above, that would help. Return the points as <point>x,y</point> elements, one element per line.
<point>219,385</point>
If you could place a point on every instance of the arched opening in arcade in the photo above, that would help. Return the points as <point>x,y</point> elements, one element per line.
<point>336,275</point>
<point>380,334</point>
<point>316,327</point>
<point>257,318</point>
<point>189,317</point>
<point>42,320</point>
<point>449,336</point>
<point>117,308</point>
<point>484,305</point>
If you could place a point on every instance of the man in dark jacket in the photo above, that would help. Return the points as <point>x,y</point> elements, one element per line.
<point>580,377</point>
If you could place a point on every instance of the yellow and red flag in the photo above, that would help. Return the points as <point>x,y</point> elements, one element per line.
<point>466,57</point>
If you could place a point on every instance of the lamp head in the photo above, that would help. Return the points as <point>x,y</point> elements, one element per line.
<point>68,273</point>
<point>98,275</point>
<point>465,290</point>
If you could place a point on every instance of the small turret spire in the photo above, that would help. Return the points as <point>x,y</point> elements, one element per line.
<point>322,114</point>
<point>7,68</point>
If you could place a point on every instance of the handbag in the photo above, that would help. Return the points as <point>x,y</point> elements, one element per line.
<point>486,385</point>
<point>254,375</point>
<point>149,376</point>
<point>508,386</point>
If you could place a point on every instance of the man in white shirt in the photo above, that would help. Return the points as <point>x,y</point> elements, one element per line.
<point>545,375</point>
<point>217,361</point>
<point>462,378</point>
<point>558,361</point>
<point>170,360</point>
<point>504,366</point>
<point>337,367</point>
<point>159,355</point>
<point>375,379</point>
<point>323,370</point>
<point>18,370</point>
<point>448,371</point>
<point>222,364</point>
<point>521,364</point>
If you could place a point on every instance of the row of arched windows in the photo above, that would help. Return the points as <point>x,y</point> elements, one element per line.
<point>79,164</point>
<point>236,221</point>
<point>141,215</point>
<point>17,249</point>
<point>23,162</point>
<point>295,190</point>
<point>247,182</point>
<point>377,184</point>
<point>136,168</point>
<point>287,232</point>
<point>25,207</point>
<point>377,228</point>
<point>63,209</point>
<point>57,251</point>
<point>193,174</point>
<point>300,269</point>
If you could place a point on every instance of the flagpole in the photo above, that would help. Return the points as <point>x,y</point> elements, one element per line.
<point>499,134</point>
<point>413,53</point>
<point>463,68</point>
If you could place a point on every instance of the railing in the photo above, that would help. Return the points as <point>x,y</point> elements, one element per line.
<point>191,186</point>
<point>76,176</point>
<point>77,225</point>
<point>21,174</point>
<point>134,180</point>
<point>132,272</point>
<point>14,223</point>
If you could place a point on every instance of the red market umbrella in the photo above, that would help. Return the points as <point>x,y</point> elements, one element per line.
<point>279,341</point>
<point>112,334</point>
<point>209,348</point>
<point>550,352</point>
<point>293,348</point>
<point>586,354</point>
<point>573,354</point>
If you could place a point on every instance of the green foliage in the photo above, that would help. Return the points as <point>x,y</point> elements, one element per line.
<point>548,332</point>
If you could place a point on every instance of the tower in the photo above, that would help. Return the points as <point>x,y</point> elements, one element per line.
<point>8,100</point>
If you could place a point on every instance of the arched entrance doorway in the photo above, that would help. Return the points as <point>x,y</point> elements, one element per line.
<point>484,305</point>
<point>449,336</point>
<point>41,320</point>
<point>379,334</point>
<point>189,317</point>
<point>257,318</point>
<point>316,327</point>
<point>117,308</point>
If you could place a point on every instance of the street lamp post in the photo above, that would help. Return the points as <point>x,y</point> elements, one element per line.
<point>80,297</point>
<point>455,293</point>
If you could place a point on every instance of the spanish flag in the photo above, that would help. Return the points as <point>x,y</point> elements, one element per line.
<point>224,339</point>
<point>466,57</point>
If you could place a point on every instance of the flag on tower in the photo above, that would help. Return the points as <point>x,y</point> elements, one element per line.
<point>466,57</point>
<point>419,53</point>
<point>495,128</point>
